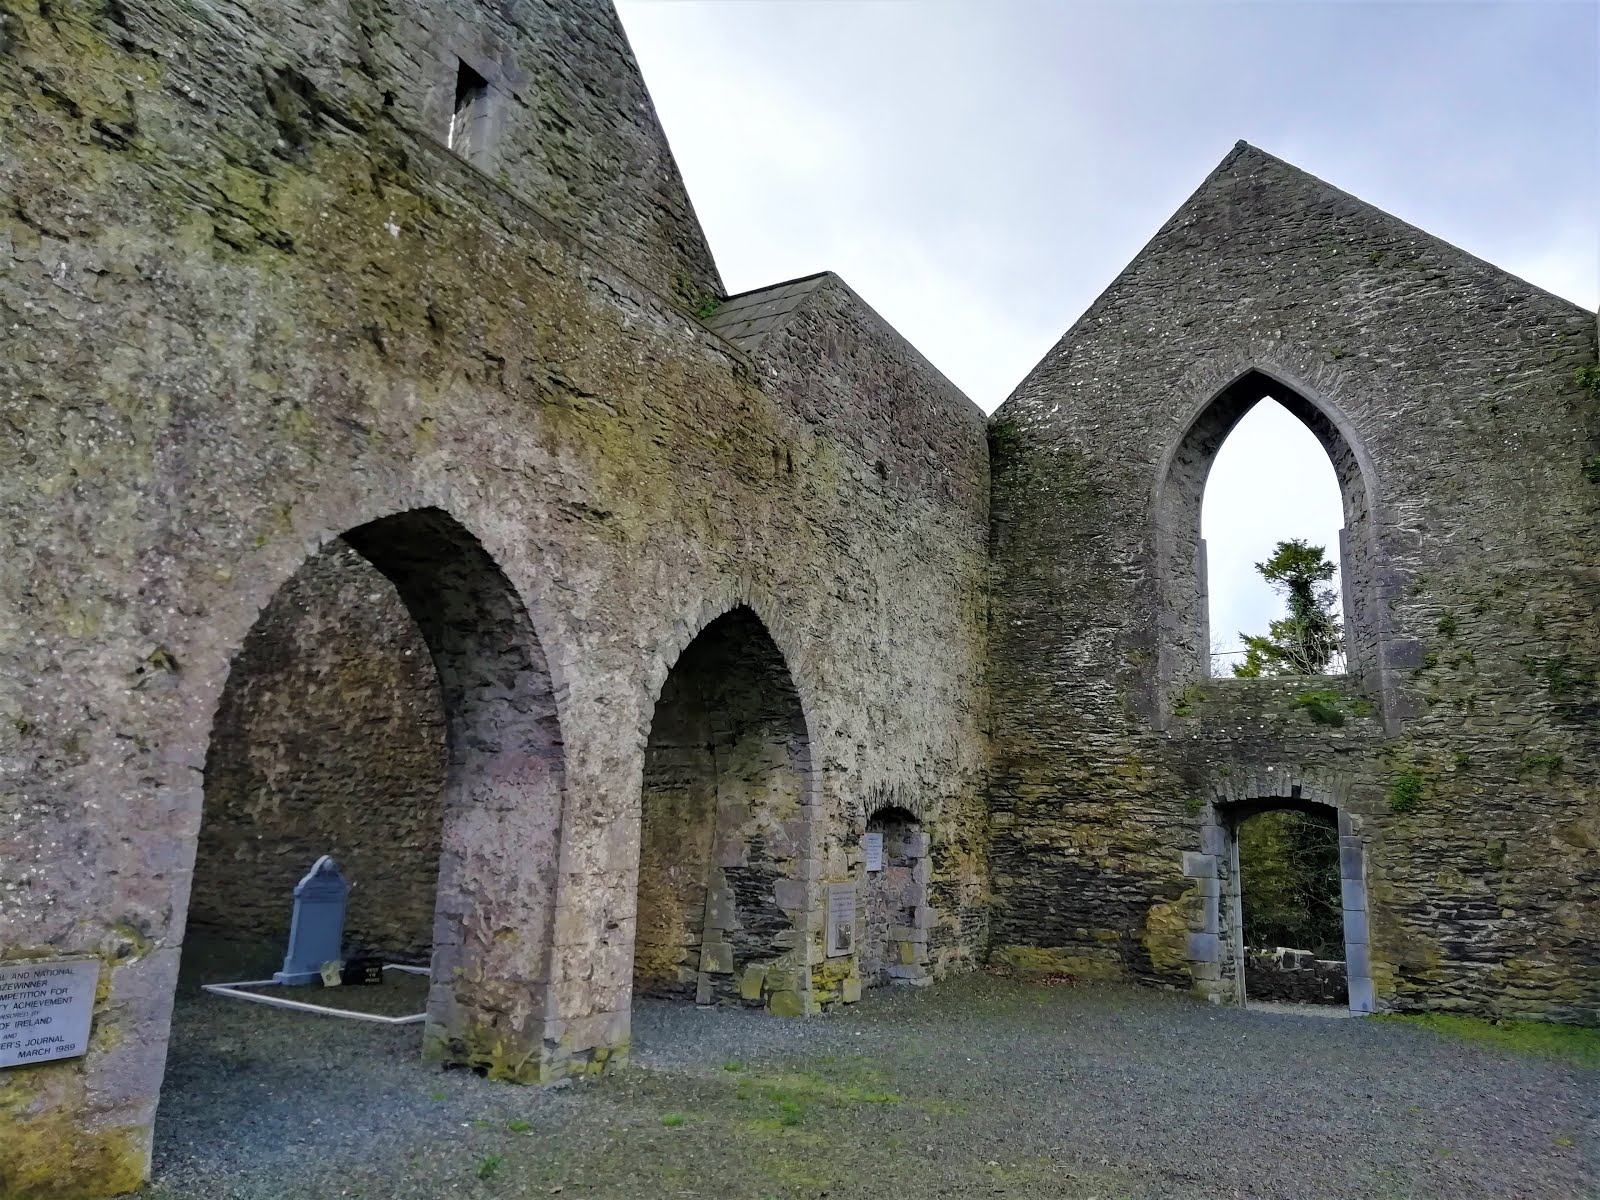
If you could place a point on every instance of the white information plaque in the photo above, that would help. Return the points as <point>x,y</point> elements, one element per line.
<point>841,919</point>
<point>873,845</point>
<point>45,1010</point>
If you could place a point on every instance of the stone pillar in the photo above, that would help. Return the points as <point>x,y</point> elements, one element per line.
<point>1205,950</point>
<point>1353,891</point>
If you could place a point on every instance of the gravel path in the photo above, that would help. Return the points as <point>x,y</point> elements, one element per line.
<point>979,1087</point>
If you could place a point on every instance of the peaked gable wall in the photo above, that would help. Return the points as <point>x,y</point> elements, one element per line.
<point>1452,388</point>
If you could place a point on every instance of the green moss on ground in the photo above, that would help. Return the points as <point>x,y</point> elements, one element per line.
<point>1575,1044</point>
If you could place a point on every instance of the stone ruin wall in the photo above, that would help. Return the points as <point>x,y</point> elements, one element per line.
<point>198,404</point>
<point>1468,763</point>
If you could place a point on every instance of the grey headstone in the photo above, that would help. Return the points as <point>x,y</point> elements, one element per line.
<point>316,930</point>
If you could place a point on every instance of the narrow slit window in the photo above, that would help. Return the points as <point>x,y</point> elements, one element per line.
<point>469,120</point>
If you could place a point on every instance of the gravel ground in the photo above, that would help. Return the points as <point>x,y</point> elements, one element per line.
<point>979,1087</point>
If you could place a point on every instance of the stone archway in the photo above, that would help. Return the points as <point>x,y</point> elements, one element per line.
<point>502,787</point>
<point>1216,947</point>
<point>725,890</point>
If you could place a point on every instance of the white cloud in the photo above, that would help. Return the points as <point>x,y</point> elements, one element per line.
<point>979,173</point>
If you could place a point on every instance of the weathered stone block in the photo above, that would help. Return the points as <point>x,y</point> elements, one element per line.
<point>1362,998</point>
<point>1351,857</point>
<point>787,1004</point>
<point>790,895</point>
<point>1203,947</point>
<point>1353,895</point>
<point>750,983</point>
<point>1355,925</point>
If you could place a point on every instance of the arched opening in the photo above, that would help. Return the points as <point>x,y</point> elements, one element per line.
<point>1182,600</point>
<point>723,898</point>
<point>895,898</point>
<point>1272,484</point>
<point>1288,867</point>
<point>329,739</point>
<point>391,707</point>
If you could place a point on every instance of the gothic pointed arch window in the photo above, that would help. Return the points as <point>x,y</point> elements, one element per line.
<point>1183,600</point>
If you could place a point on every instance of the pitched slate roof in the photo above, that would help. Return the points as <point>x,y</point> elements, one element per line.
<point>747,318</point>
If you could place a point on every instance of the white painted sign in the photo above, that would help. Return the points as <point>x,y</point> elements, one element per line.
<point>46,1009</point>
<point>841,919</point>
<point>873,845</point>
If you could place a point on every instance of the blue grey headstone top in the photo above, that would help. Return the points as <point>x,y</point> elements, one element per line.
<point>316,931</point>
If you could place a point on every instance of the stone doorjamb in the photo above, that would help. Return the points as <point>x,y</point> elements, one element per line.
<point>1216,938</point>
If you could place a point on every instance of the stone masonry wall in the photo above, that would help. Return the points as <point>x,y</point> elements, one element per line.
<point>251,306</point>
<point>892,425</point>
<point>1466,770</point>
<point>328,740</point>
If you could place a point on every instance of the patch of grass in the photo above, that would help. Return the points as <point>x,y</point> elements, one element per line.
<point>1449,623</point>
<point>518,1125</point>
<point>1549,764</point>
<point>437,1094</point>
<point>1591,468</point>
<point>1188,701</point>
<point>1589,377</point>
<point>1578,1045</point>
<point>785,1100</point>
<point>733,1066</point>
<point>489,1165</point>
<point>1323,707</point>
<point>673,1119</point>
<point>1558,672</point>
<point>1405,793</point>
<point>1193,804</point>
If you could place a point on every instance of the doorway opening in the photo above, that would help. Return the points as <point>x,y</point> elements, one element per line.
<point>896,900</point>
<point>1292,923</point>
<point>1290,908</point>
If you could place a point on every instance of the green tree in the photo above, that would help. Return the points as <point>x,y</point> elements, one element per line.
<point>1289,882</point>
<point>1305,641</point>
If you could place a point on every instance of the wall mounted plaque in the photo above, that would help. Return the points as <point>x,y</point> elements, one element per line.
<point>46,1009</point>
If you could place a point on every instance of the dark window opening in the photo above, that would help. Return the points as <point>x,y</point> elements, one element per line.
<point>469,119</point>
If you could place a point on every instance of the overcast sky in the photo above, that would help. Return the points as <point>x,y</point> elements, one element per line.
<point>979,172</point>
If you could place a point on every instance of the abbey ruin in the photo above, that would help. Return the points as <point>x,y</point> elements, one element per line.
<point>387,472</point>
